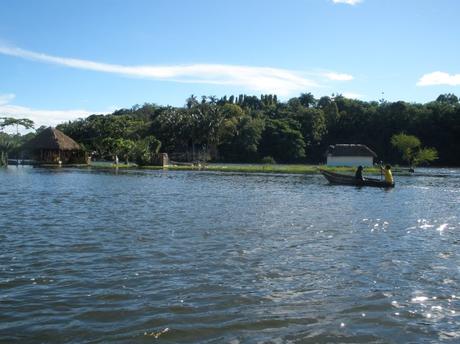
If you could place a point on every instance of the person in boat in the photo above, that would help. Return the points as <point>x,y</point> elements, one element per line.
<point>359,173</point>
<point>387,174</point>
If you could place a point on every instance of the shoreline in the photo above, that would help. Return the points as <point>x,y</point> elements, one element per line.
<point>253,168</point>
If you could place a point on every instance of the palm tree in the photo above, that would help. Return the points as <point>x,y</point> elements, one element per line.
<point>7,144</point>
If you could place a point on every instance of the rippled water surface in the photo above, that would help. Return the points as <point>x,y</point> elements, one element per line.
<point>185,257</point>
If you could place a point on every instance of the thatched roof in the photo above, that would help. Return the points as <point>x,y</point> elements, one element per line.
<point>350,150</point>
<point>52,139</point>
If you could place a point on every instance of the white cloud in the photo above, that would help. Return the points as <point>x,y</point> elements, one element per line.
<point>39,116</point>
<point>6,98</point>
<point>439,78</point>
<point>348,2</point>
<point>338,76</point>
<point>263,79</point>
<point>352,95</point>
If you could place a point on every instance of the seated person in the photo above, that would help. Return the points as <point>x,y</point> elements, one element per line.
<point>359,173</point>
<point>387,173</point>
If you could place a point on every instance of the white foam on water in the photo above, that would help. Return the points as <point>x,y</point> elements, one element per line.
<point>419,299</point>
<point>425,226</point>
<point>442,227</point>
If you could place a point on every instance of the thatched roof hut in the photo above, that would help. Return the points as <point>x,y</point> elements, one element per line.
<point>53,146</point>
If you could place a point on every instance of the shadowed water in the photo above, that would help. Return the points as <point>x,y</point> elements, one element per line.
<point>182,257</point>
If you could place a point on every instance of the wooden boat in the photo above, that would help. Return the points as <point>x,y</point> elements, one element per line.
<point>344,179</point>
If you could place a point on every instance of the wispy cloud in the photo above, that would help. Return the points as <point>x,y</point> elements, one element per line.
<point>352,95</point>
<point>39,116</point>
<point>347,2</point>
<point>6,98</point>
<point>263,79</point>
<point>338,76</point>
<point>439,78</point>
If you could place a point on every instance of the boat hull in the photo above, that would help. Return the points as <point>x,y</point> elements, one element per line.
<point>344,179</point>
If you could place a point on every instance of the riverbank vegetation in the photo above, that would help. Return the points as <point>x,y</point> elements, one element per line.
<point>10,144</point>
<point>412,151</point>
<point>252,129</point>
<point>276,168</point>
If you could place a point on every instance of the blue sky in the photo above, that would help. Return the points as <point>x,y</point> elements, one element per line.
<point>61,60</point>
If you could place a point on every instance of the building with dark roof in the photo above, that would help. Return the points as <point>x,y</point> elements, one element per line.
<point>350,155</point>
<point>52,146</point>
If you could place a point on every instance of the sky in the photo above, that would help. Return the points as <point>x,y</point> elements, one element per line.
<point>62,60</point>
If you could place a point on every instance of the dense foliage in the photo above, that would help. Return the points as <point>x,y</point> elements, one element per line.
<point>249,129</point>
<point>10,144</point>
<point>412,151</point>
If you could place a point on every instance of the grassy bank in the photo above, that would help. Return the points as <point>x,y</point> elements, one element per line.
<point>246,168</point>
<point>264,168</point>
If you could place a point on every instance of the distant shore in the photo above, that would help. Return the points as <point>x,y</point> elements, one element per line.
<point>255,168</point>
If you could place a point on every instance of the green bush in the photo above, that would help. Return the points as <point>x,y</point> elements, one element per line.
<point>268,160</point>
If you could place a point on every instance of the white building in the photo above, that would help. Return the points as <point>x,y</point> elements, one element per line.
<point>350,155</point>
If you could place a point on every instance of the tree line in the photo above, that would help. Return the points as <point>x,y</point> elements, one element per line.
<point>247,128</point>
<point>12,143</point>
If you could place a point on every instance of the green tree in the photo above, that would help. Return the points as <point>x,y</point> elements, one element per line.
<point>410,148</point>
<point>407,145</point>
<point>448,98</point>
<point>243,145</point>
<point>10,143</point>
<point>283,141</point>
<point>145,150</point>
<point>7,145</point>
<point>23,122</point>
<point>307,99</point>
<point>119,147</point>
<point>425,156</point>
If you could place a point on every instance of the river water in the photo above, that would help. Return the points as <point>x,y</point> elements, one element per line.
<point>199,257</point>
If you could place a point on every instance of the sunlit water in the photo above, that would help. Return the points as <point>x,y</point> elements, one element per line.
<point>182,257</point>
